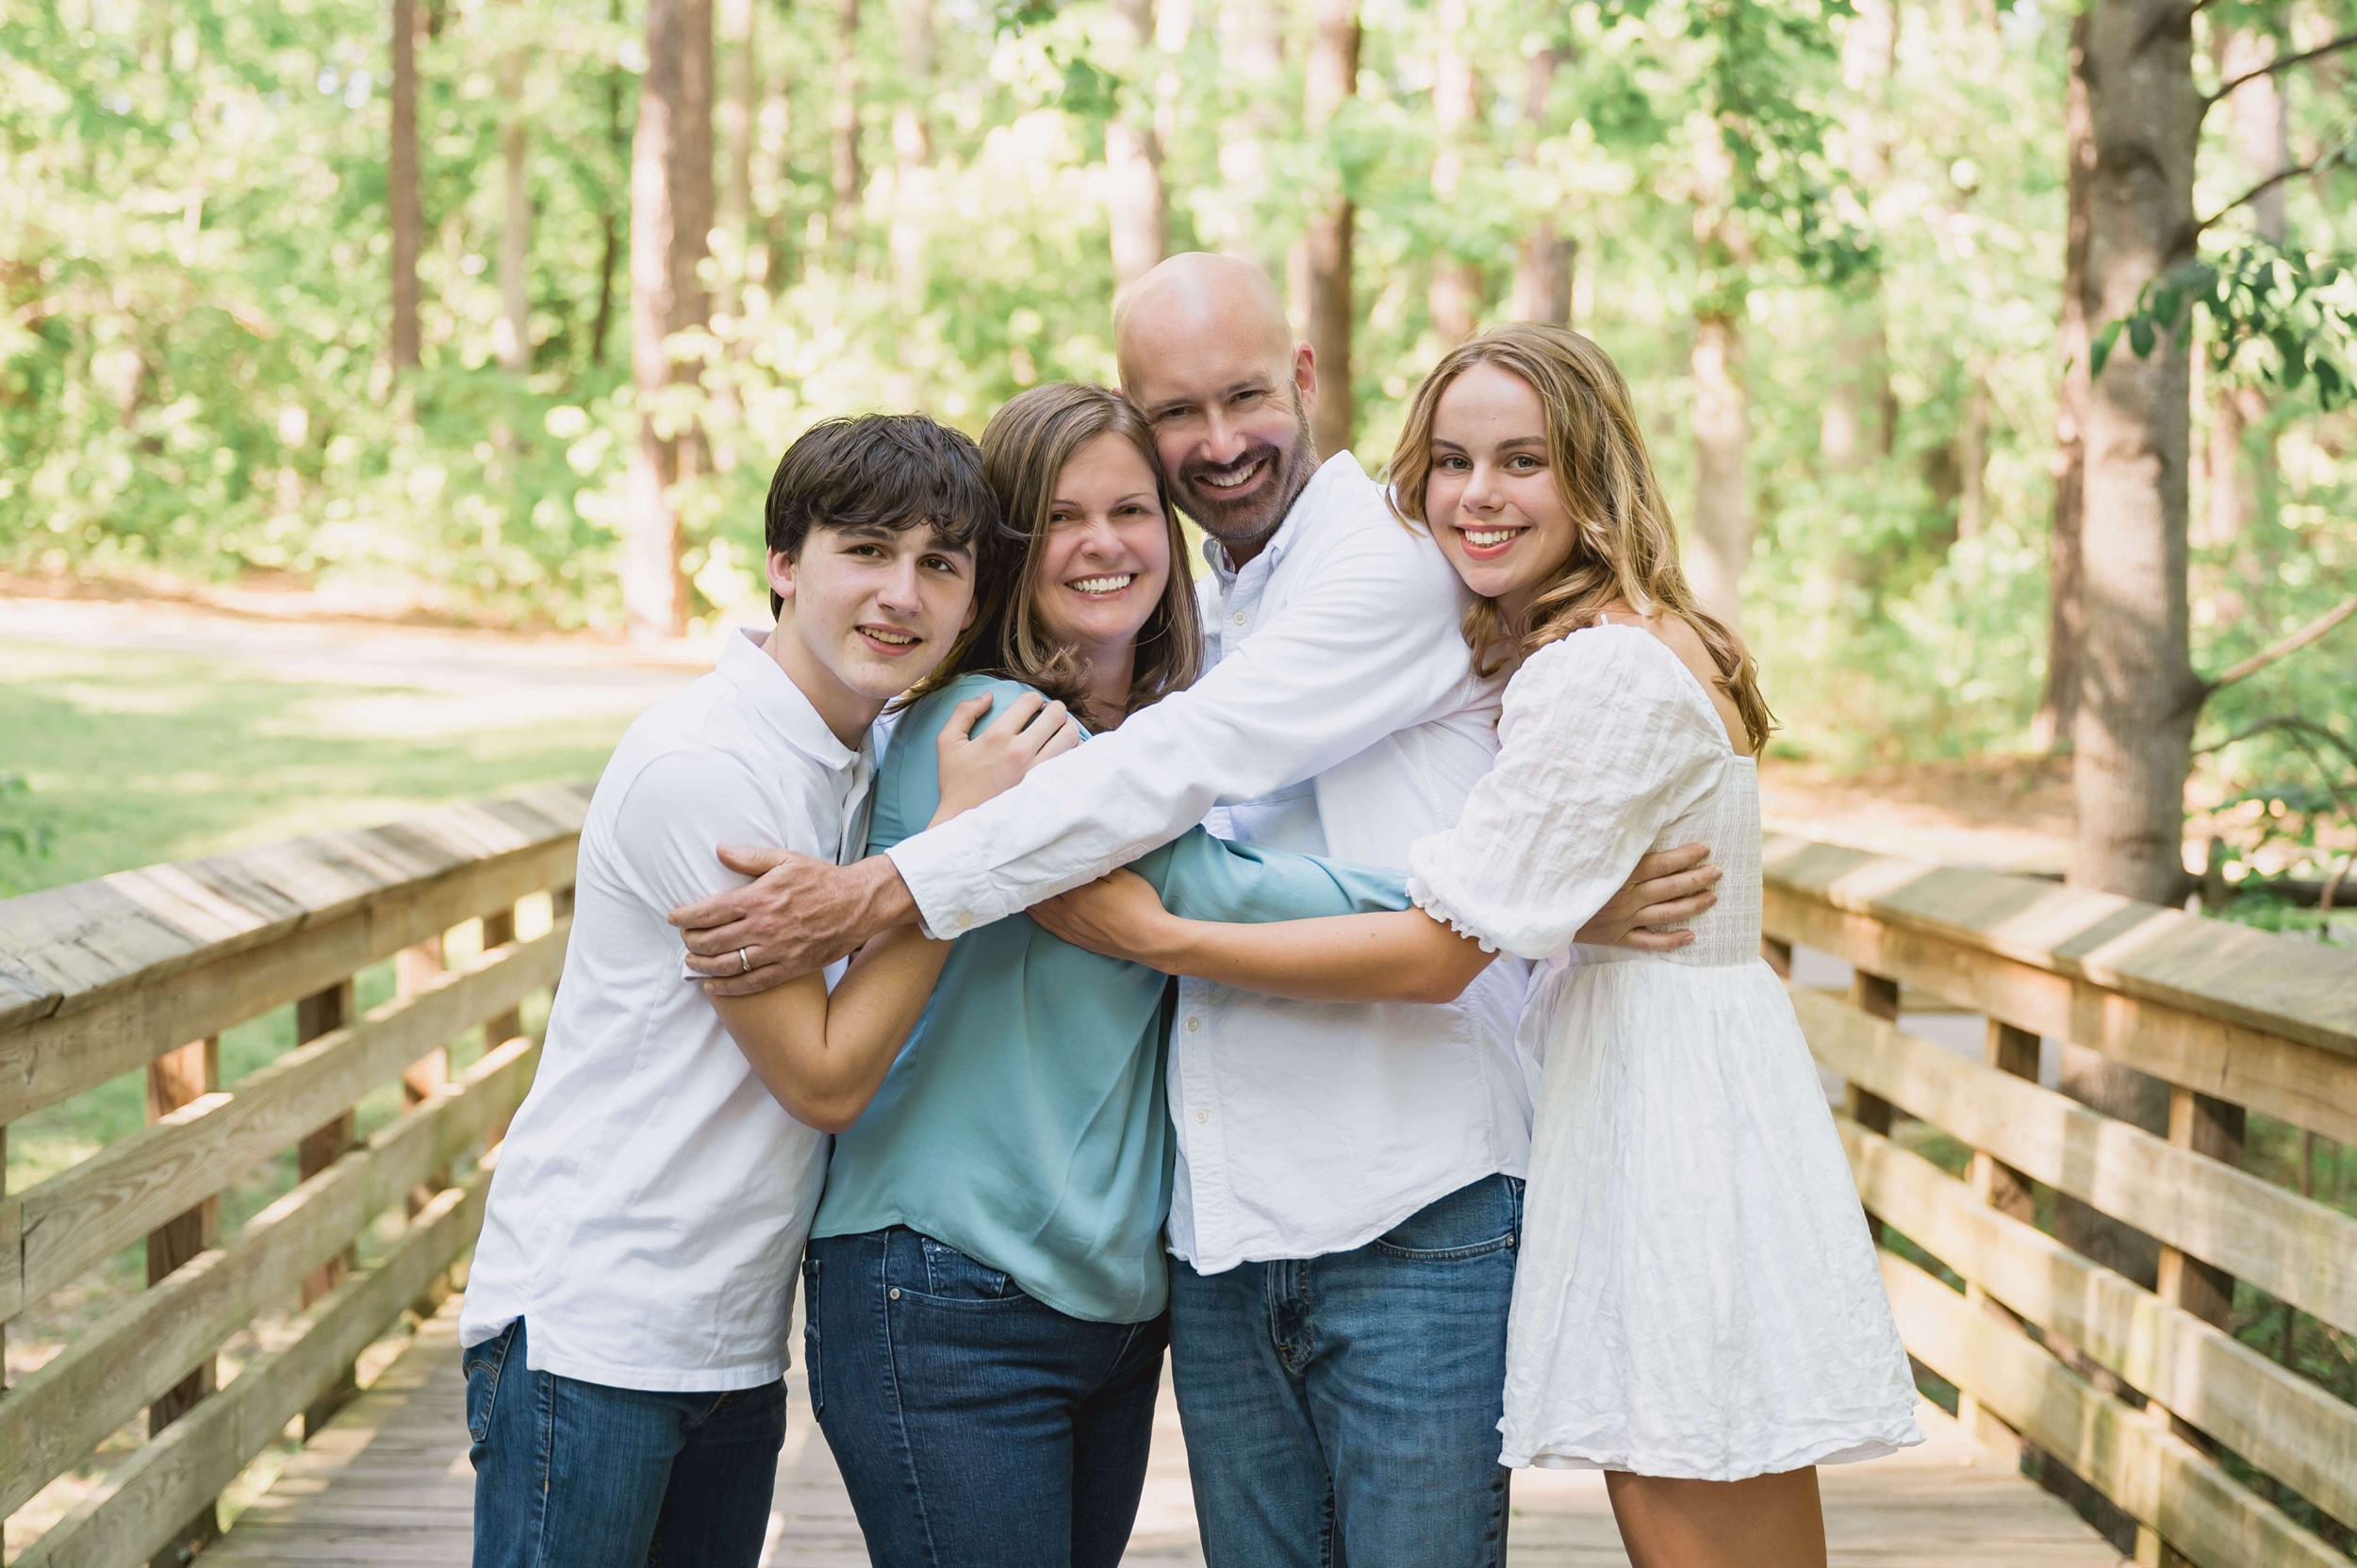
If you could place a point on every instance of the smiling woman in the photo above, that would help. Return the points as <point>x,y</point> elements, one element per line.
<point>1101,612</point>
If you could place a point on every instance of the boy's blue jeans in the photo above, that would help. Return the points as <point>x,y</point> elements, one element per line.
<point>575,1475</point>
<point>1344,1409</point>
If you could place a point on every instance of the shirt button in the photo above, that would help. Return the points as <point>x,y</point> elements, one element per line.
<point>1202,1115</point>
<point>1238,618</point>
<point>965,920</point>
<point>894,1292</point>
<point>1193,1024</point>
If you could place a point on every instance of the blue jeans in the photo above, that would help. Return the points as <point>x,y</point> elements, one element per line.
<point>1344,1409</point>
<point>975,1427</point>
<point>575,1475</point>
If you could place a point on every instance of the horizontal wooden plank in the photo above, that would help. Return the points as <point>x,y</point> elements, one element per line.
<point>135,1510</point>
<point>61,1411</point>
<point>81,1217</point>
<point>2277,1077</point>
<point>2295,1250</point>
<point>121,1031</point>
<point>2156,1477</point>
<point>2230,973</point>
<point>2279,1421</point>
<point>66,949</point>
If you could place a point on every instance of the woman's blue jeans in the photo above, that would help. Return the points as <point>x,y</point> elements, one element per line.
<point>975,1427</point>
<point>575,1475</point>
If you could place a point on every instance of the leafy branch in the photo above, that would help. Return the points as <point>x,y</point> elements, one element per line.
<point>2302,307</point>
<point>2287,62</point>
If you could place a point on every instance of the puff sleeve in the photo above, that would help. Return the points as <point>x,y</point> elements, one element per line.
<point>1606,738</point>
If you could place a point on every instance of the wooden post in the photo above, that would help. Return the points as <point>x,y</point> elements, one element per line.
<point>414,969</point>
<point>174,1079</point>
<point>2007,1191</point>
<point>317,1014</point>
<point>1878,996</point>
<point>2214,1128</point>
<point>498,930</point>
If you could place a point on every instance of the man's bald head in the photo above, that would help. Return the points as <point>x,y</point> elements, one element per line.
<point>1209,359</point>
<point>1195,295</point>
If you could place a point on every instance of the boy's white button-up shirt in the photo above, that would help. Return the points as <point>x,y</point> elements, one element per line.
<point>1340,715</point>
<point>647,1214</point>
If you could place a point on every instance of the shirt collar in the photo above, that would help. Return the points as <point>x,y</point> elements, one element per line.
<point>1312,495</point>
<point>745,664</point>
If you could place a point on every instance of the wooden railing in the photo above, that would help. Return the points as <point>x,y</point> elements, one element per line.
<point>141,972</point>
<point>2210,1449</point>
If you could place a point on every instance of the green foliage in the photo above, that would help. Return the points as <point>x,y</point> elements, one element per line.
<point>2277,319</point>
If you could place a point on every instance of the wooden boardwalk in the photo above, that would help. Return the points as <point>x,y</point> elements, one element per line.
<point>387,1483</point>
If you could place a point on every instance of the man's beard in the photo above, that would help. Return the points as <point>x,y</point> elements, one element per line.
<point>1247,524</point>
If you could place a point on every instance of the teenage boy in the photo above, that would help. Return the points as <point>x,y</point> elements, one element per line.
<point>626,1315</point>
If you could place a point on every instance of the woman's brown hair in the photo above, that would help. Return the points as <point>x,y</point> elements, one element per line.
<point>1025,448</point>
<point>1626,550</point>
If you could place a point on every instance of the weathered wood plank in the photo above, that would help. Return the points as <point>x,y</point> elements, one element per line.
<point>2295,1250</point>
<point>65,1408</point>
<point>68,948</point>
<point>128,1025</point>
<point>2279,1421</point>
<point>2226,972</point>
<point>2285,1079</point>
<point>78,1219</point>
<point>135,1510</point>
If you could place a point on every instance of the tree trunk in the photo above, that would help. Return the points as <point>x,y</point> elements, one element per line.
<point>671,206</point>
<point>912,151</point>
<point>512,336</point>
<point>1542,262</point>
<point>408,214</point>
<point>1454,297</point>
<point>2057,718</point>
<point>2140,697</point>
<point>1722,525</point>
<point>843,221</point>
<point>609,229</point>
<point>1860,413</point>
<point>1331,76</point>
<point>1972,460</point>
<point>1140,207</point>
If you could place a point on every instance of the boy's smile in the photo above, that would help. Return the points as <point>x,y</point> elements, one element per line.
<point>869,612</point>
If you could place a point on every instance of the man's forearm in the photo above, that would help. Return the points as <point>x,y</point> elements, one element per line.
<point>878,895</point>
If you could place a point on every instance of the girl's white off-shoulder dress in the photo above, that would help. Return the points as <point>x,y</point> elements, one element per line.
<point>1697,1294</point>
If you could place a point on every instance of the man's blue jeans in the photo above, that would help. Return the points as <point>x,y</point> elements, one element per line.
<point>1344,1409</point>
<point>975,1426</point>
<point>575,1475</point>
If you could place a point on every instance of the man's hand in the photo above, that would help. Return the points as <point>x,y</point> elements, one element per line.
<point>1667,886</point>
<point>800,915</point>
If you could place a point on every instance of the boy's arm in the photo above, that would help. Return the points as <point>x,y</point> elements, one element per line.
<point>823,1057</point>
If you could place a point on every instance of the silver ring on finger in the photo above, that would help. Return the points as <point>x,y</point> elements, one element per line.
<point>743,961</point>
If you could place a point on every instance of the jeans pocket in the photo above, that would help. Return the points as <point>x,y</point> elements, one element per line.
<point>811,1370</point>
<point>1472,1222</point>
<point>951,1276</point>
<point>482,1364</point>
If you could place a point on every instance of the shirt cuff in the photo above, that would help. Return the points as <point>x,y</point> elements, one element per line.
<point>953,897</point>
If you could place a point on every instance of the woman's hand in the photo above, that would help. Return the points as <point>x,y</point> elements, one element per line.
<point>1118,914</point>
<point>975,768</point>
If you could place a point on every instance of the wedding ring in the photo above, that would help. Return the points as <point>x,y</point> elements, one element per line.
<point>743,961</point>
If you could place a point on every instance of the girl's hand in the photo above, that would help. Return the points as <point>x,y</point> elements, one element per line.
<point>1119,916</point>
<point>974,767</point>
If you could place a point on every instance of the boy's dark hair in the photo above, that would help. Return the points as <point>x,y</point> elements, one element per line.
<point>880,471</point>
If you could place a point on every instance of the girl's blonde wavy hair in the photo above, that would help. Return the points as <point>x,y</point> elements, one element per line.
<point>1626,546</point>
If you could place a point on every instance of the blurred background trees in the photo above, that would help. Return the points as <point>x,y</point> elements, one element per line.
<point>509,308</point>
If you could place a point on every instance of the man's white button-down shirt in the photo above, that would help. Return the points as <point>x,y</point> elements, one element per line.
<point>1340,716</point>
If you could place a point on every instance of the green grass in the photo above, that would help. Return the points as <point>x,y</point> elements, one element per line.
<point>134,757</point>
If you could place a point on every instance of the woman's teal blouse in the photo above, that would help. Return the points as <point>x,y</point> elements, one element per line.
<point>1024,1123</point>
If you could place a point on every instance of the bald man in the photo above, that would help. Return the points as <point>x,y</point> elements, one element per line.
<point>1348,1196</point>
